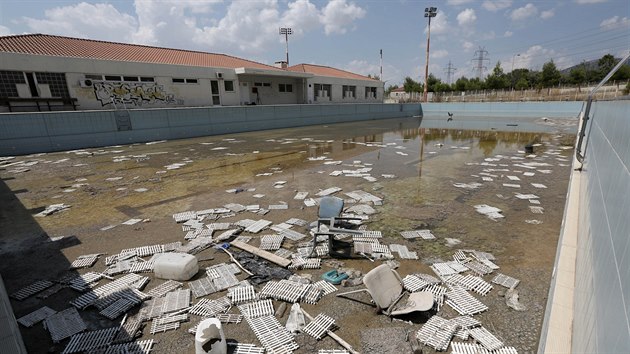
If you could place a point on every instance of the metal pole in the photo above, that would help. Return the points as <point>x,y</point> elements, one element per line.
<point>426,67</point>
<point>381,65</point>
<point>286,38</point>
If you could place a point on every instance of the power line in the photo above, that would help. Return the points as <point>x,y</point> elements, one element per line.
<point>480,59</point>
<point>450,70</point>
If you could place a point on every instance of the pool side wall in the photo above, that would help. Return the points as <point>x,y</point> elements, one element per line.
<point>25,133</point>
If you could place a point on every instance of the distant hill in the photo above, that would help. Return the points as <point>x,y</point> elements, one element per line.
<point>590,65</point>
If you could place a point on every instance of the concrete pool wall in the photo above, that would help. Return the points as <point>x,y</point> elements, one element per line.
<point>589,302</point>
<point>25,133</point>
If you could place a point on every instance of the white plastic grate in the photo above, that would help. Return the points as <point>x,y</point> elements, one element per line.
<point>284,253</point>
<point>333,351</point>
<point>184,216</point>
<point>129,329</point>
<point>164,288</point>
<point>473,348</point>
<point>64,324</point>
<point>487,339</point>
<point>141,267</point>
<point>326,287</point>
<point>257,309</point>
<point>413,284</point>
<point>424,234</point>
<point>248,349</point>
<point>292,235</point>
<point>271,242</point>
<point>176,300</point>
<point>207,307</point>
<point>141,347</point>
<point>241,294</point>
<point>31,289</point>
<point>478,267</point>
<point>437,333</point>
<point>229,318</point>
<point>85,261</point>
<point>36,316</point>
<point>284,290</point>
<point>257,226</point>
<point>312,295</point>
<point>82,282</point>
<point>202,287</point>
<point>90,341</point>
<point>328,191</point>
<point>505,281</point>
<point>464,303</point>
<point>319,326</point>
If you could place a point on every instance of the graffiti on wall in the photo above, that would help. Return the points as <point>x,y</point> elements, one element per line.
<point>130,93</point>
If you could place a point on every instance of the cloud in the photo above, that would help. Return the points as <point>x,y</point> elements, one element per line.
<point>4,31</point>
<point>537,55</point>
<point>439,24</point>
<point>466,17</point>
<point>440,53</point>
<point>337,15</point>
<point>496,5</point>
<point>524,12</point>
<point>362,67</point>
<point>458,2</point>
<point>615,22</point>
<point>467,46</point>
<point>508,34</point>
<point>545,15</point>
<point>96,21</point>
<point>589,1</point>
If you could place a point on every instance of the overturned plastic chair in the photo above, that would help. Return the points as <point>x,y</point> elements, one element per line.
<point>386,289</point>
<point>330,209</point>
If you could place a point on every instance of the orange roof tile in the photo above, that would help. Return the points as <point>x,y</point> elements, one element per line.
<point>43,44</point>
<point>327,71</point>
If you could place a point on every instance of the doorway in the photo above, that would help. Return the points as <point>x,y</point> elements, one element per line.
<point>214,88</point>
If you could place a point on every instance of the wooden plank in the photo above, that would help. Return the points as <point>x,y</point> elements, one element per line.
<point>261,253</point>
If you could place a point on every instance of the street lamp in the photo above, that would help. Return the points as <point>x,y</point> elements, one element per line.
<point>286,31</point>
<point>512,71</point>
<point>428,12</point>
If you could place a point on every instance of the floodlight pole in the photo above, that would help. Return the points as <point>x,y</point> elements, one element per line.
<point>286,31</point>
<point>381,78</point>
<point>428,12</point>
<point>512,71</point>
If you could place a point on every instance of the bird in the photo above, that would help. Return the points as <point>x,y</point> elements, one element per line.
<point>450,116</point>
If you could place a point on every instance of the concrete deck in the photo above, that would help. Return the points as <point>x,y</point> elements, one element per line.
<point>560,321</point>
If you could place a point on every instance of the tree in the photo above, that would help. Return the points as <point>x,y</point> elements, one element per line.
<point>411,86</point>
<point>521,84</point>
<point>460,84</point>
<point>497,80</point>
<point>432,83</point>
<point>605,64</point>
<point>577,76</point>
<point>389,89</point>
<point>550,75</point>
<point>475,84</point>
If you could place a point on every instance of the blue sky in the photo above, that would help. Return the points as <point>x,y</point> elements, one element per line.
<point>347,34</point>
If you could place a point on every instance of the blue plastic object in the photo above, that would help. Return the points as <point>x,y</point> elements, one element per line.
<point>334,277</point>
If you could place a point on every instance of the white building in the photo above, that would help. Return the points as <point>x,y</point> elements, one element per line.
<point>45,72</point>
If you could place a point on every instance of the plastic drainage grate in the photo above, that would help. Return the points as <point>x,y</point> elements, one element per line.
<point>32,289</point>
<point>141,267</point>
<point>82,282</point>
<point>257,309</point>
<point>230,318</point>
<point>319,326</point>
<point>84,261</point>
<point>184,216</point>
<point>241,294</point>
<point>164,288</point>
<point>413,284</point>
<point>424,234</point>
<point>202,287</point>
<point>472,348</point>
<point>478,267</point>
<point>271,242</point>
<point>487,339</point>
<point>257,226</point>
<point>36,316</point>
<point>128,330</point>
<point>176,300</point>
<point>505,280</point>
<point>313,294</point>
<point>207,307</point>
<point>64,324</point>
<point>464,303</point>
<point>326,287</point>
<point>248,349</point>
<point>437,333</point>
<point>89,341</point>
<point>141,347</point>
<point>284,290</point>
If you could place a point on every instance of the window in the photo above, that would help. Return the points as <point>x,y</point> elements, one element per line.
<point>349,91</point>
<point>322,90</point>
<point>258,84</point>
<point>285,87</point>
<point>178,81</point>
<point>112,78</point>
<point>267,84</point>
<point>263,84</point>
<point>370,92</point>
<point>8,79</point>
<point>94,77</point>
<point>130,78</point>
<point>228,85</point>
<point>146,79</point>
<point>191,81</point>
<point>56,83</point>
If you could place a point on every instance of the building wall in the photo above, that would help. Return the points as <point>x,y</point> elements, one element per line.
<point>24,133</point>
<point>601,320</point>
<point>336,94</point>
<point>271,95</point>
